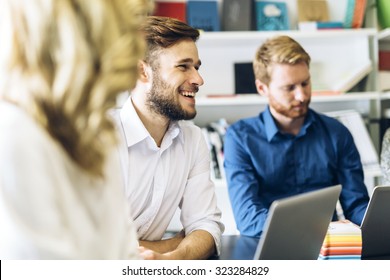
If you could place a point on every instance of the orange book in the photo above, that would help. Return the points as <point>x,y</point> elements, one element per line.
<point>358,15</point>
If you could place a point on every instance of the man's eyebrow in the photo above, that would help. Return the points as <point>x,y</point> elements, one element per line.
<point>190,60</point>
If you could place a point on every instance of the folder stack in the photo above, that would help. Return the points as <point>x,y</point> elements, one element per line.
<point>343,241</point>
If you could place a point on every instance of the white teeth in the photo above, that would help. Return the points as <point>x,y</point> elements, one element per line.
<point>188,93</point>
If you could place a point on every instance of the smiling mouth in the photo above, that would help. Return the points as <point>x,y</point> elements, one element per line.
<point>188,93</point>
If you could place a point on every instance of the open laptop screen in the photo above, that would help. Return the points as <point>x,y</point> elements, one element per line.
<point>376,225</point>
<point>296,226</point>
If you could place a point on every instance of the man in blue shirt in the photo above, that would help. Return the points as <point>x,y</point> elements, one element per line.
<point>288,149</point>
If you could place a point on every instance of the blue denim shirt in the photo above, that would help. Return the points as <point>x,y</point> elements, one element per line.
<point>263,164</point>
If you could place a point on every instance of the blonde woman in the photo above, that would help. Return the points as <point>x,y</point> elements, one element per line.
<point>62,65</point>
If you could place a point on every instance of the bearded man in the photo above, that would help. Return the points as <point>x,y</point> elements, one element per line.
<point>288,148</point>
<point>165,160</point>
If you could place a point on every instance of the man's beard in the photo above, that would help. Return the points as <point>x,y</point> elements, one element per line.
<point>161,101</point>
<point>288,111</point>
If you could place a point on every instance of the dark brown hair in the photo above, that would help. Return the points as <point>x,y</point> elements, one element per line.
<point>163,32</point>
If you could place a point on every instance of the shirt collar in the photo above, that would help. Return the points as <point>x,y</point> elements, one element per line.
<point>135,130</point>
<point>271,129</point>
<point>270,126</point>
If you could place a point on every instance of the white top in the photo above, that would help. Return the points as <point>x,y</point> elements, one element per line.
<point>49,208</point>
<point>160,179</point>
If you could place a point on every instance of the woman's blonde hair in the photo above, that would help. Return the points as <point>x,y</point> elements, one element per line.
<point>65,61</point>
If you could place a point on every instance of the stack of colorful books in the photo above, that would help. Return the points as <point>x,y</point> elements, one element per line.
<point>343,241</point>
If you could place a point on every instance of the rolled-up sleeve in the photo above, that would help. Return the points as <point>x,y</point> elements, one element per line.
<point>199,210</point>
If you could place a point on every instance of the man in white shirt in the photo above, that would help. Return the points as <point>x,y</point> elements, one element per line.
<point>166,162</point>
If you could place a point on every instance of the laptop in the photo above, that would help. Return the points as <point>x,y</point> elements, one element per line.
<point>376,226</point>
<point>296,226</point>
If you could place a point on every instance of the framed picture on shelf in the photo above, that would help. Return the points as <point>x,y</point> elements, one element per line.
<point>271,15</point>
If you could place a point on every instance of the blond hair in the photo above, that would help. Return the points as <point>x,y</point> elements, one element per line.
<point>65,61</point>
<point>277,50</point>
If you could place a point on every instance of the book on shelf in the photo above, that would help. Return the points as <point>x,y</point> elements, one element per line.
<point>217,144</point>
<point>214,163</point>
<point>203,15</point>
<point>312,10</point>
<point>271,15</point>
<point>214,134</point>
<point>359,12</point>
<point>171,8</point>
<point>355,12</point>
<point>384,60</point>
<point>238,15</point>
<point>349,12</point>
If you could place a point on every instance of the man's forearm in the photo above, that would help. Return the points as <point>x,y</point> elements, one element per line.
<point>163,246</point>
<point>196,246</point>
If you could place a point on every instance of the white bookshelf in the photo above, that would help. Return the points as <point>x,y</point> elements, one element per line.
<point>234,107</point>
<point>340,58</point>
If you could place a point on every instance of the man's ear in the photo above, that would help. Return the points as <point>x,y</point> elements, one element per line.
<point>262,88</point>
<point>143,71</point>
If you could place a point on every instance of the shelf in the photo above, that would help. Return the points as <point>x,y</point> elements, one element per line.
<point>384,35</point>
<point>233,107</point>
<point>253,99</point>
<point>340,58</point>
<point>229,36</point>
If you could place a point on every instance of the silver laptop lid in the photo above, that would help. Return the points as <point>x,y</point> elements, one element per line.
<point>296,226</point>
<point>376,225</point>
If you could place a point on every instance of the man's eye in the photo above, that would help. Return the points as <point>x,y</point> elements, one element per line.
<point>182,66</point>
<point>290,88</point>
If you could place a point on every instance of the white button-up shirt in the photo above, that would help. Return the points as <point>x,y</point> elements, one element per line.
<point>161,179</point>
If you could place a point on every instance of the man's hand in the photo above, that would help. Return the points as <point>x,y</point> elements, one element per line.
<point>148,254</point>
<point>197,245</point>
<point>164,246</point>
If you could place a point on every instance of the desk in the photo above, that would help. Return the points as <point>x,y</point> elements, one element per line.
<point>237,247</point>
